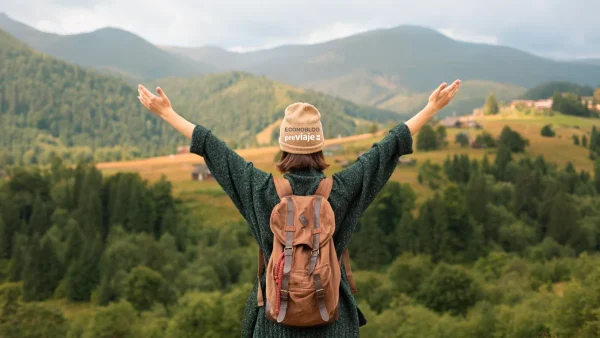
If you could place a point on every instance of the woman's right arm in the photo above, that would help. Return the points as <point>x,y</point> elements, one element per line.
<point>367,176</point>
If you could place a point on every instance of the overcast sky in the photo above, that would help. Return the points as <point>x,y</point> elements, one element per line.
<point>553,28</point>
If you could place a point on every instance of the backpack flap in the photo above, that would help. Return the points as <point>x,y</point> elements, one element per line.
<point>303,213</point>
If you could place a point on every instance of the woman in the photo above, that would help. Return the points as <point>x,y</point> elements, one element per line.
<point>254,194</point>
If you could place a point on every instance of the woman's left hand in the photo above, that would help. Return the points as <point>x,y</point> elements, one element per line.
<point>159,105</point>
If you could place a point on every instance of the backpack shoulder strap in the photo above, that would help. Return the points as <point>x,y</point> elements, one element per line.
<point>348,268</point>
<point>262,263</point>
<point>324,188</point>
<point>283,187</point>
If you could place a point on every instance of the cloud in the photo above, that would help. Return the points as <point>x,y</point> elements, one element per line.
<point>548,27</point>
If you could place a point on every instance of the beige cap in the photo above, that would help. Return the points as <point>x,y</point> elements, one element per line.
<point>301,130</point>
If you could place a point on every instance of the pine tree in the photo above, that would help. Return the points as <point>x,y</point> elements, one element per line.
<point>491,105</point>
<point>42,272</point>
<point>20,249</point>
<point>526,189</point>
<point>90,211</point>
<point>10,217</point>
<point>433,225</point>
<point>584,141</point>
<point>120,199</point>
<point>4,239</point>
<point>576,140</point>
<point>407,234</point>
<point>460,229</point>
<point>486,167</point>
<point>503,158</point>
<point>84,274</point>
<point>141,213</point>
<point>477,196</point>
<point>369,256</point>
<point>597,175</point>
<point>39,222</point>
<point>561,223</point>
<point>78,184</point>
<point>75,241</point>
<point>164,204</point>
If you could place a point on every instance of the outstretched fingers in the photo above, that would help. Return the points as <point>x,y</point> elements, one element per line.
<point>440,89</point>
<point>143,100</point>
<point>161,93</point>
<point>145,93</point>
<point>456,88</point>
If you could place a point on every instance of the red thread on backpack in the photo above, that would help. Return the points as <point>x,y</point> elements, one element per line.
<point>278,275</point>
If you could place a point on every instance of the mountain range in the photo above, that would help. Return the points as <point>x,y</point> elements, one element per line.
<point>392,69</point>
<point>49,106</point>
<point>109,49</point>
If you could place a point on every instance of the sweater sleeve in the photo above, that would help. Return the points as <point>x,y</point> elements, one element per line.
<point>367,176</point>
<point>236,176</point>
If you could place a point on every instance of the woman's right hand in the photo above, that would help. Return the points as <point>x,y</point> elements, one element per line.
<point>159,105</point>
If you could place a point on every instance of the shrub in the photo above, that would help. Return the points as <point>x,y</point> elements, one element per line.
<point>547,131</point>
<point>449,289</point>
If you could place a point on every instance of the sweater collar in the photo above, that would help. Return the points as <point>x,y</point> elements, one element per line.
<point>305,172</point>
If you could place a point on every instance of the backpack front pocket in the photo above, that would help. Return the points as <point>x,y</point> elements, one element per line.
<point>304,296</point>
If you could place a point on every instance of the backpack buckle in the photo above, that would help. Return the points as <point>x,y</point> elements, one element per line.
<point>315,252</point>
<point>287,251</point>
<point>320,293</point>
<point>283,294</point>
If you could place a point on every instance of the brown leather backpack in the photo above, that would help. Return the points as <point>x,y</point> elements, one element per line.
<point>303,272</point>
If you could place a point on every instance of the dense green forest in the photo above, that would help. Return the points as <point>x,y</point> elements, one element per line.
<point>503,248</point>
<point>51,107</point>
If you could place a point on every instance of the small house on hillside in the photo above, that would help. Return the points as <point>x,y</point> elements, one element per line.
<point>451,122</point>
<point>537,104</point>
<point>407,161</point>
<point>474,124</point>
<point>543,104</point>
<point>201,173</point>
<point>183,149</point>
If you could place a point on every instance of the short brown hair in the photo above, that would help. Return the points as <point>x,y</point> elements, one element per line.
<point>291,161</point>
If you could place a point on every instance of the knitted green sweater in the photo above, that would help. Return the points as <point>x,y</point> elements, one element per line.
<point>253,193</point>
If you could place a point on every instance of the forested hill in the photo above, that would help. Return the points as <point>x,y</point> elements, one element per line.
<point>49,106</point>
<point>239,105</point>
<point>546,90</point>
<point>109,49</point>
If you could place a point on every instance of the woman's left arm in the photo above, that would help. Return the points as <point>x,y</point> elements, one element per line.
<point>236,176</point>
